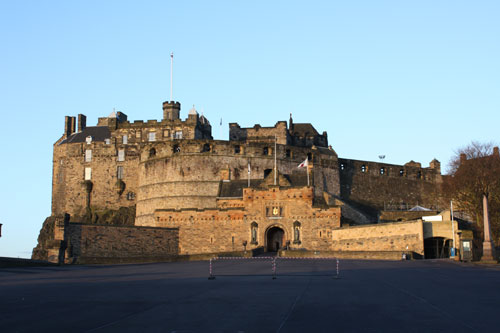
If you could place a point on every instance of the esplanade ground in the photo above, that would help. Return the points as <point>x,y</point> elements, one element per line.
<point>375,296</point>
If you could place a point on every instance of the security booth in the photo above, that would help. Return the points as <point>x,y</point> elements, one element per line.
<point>466,253</point>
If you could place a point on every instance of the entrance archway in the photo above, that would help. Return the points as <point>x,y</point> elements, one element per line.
<point>274,239</point>
<point>437,247</point>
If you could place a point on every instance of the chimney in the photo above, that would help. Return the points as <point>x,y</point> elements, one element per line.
<point>82,122</point>
<point>69,125</point>
<point>496,152</point>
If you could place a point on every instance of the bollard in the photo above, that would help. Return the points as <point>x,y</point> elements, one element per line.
<point>211,275</point>
<point>337,277</point>
<point>274,268</point>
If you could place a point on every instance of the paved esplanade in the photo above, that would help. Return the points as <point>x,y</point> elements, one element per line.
<point>416,296</point>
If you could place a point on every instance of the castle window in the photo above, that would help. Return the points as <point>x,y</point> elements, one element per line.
<point>363,168</point>
<point>88,140</point>
<point>288,153</point>
<point>254,227</point>
<point>237,149</point>
<point>107,141</point>
<point>382,171</point>
<point>88,155</point>
<point>309,156</point>
<point>178,135</point>
<point>88,173</point>
<point>152,152</point>
<point>130,196</point>
<point>152,136</point>
<point>265,151</point>
<point>419,174</point>
<point>125,139</point>
<point>176,149</point>
<point>119,172</point>
<point>121,155</point>
<point>342,166</point>
<point>166,133</point>
<point>206,148</point>
<point>401,172</point>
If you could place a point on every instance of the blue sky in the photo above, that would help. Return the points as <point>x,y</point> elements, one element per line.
<point>413,80</point>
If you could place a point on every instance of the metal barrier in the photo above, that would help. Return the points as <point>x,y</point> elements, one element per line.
<point>273,261</point>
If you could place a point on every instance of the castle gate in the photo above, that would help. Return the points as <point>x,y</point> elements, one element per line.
<point>274,239</point>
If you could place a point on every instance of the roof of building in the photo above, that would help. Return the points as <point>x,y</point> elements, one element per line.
<point>98,133</point>
<point>304,129</point>
<point>326,151</point>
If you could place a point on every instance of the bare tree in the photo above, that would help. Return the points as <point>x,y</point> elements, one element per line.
<point>474,183</point>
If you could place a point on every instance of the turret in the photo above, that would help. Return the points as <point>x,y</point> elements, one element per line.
<point>171,110</point>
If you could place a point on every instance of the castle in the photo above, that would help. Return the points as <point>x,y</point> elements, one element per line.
<point>154,189</point>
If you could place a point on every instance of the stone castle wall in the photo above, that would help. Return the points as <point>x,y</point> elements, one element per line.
<point>87,243</point>
<point>190,179</point>
<point>380,237</point>
<point>371,186</point>
<point>70,194</point>
<point>226,229</point>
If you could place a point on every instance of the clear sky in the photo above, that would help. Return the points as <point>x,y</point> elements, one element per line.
<point>412,80</point>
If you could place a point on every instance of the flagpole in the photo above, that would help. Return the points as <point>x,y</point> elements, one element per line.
<point>171,74</point>
<point>275,170</point>
<point>307,171</point>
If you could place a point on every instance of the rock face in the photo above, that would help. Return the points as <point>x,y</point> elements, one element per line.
<point>123,174</point>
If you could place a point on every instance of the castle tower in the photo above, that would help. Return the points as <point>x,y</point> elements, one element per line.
<point>171,110</point>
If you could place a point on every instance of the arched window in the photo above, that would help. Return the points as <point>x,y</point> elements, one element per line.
<point>152,152</point>
<point>176,149</point>
<point>254,227</point>
<point>296,232</point>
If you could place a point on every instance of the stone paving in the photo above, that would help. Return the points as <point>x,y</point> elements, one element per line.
<point>374,296</point>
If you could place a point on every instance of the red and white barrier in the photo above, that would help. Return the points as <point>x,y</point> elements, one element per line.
<point>273,263</point>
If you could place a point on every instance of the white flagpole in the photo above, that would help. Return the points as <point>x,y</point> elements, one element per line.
<point>171,75</point>
<point>249,172</point>
<point>275,170</point>
<point>307,171</point>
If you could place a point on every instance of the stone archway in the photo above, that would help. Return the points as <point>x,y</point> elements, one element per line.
<point>274,239</point>
<point>437,247</point>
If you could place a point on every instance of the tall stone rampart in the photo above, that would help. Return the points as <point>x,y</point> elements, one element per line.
<point>180,175</point>
<point>372,186</point>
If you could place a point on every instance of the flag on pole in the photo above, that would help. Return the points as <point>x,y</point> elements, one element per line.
<point>304,164</point>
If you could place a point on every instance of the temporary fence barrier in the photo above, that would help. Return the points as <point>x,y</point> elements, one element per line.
<point>273,261</point>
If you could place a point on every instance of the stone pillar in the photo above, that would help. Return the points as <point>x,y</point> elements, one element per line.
<point>488,247</point>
